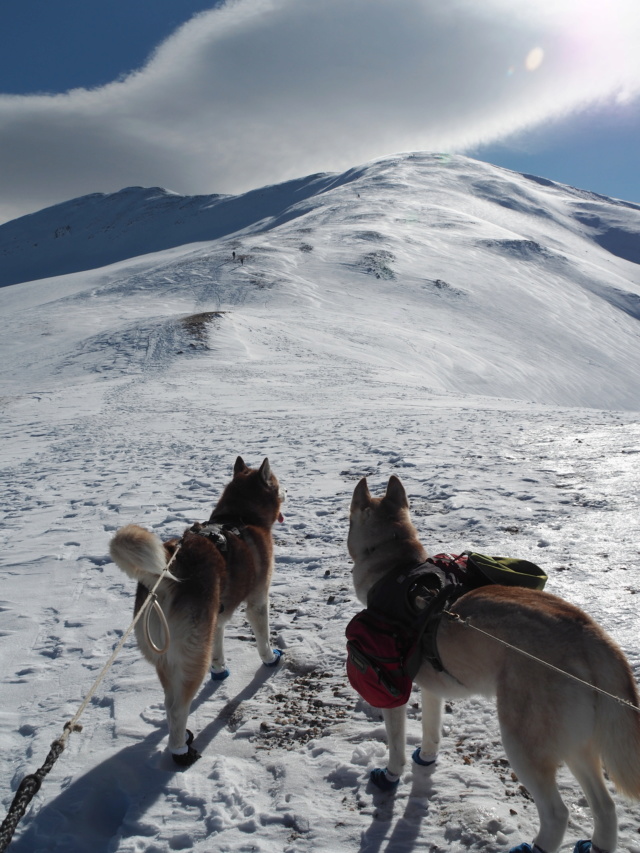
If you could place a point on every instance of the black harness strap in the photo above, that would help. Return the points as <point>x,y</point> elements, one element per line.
<point>426,639</point>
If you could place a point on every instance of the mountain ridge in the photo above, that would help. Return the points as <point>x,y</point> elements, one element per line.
<point>103,228</point>
<point>118,224</point>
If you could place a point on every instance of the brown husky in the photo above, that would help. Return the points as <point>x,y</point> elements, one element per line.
<point>546,719</point>
<point>217,566</point>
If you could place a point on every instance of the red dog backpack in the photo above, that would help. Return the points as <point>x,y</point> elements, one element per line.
<point>375,661</point>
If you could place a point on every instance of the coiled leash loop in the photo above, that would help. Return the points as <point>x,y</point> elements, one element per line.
<point>155,608</point>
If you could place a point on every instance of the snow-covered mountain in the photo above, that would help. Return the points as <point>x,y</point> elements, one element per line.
<point>475,279</point>
<point>472,330</point>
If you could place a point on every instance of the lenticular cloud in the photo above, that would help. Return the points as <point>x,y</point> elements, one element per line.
<point>258,91</point>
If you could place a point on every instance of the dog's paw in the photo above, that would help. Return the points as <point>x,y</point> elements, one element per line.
<point>380,779</point>
<point>583,847</point>
<point>523,848</point>
<point>186,759</point>
<point>278,654</point>
<point>220,676</point>
<point>415,757</point>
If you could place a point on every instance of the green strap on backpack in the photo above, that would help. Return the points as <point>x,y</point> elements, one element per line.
<point>508,571</point>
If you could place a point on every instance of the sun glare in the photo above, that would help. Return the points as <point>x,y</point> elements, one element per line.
<point>534,59</point>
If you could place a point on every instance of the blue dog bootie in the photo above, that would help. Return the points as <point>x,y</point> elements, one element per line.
<point>415,757</point>
<point>381,780</point>
<point>582,847</point>
<point>522,848</point>
<point>219,676</point>
<point>279,654</point>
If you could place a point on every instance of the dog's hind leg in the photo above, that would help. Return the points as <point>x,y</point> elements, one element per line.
<point>178,713</point>
<point>538,775</point>
<point>427,752</point>
<point>258,616</point>
<point>587,769</point>
<point>177,701</point>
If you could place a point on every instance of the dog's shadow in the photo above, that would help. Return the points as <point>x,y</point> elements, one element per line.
<point>204,738</point>
<point>406,829</point>
<point>101,809</point>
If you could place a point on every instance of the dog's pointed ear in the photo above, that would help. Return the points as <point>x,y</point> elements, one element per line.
<point>266,473</point>
<point>239,467</point>
<point>361,495</point>
<point>396,493</point>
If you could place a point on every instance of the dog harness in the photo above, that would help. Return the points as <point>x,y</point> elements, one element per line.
<point>417,597</point>
<point>388,642</point>
<point>218,534</point>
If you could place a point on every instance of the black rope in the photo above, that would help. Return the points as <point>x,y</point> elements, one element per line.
<point>27,790</point>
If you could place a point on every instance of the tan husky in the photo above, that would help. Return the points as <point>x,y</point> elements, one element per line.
<point>546,719</point>
<point>217,566</point>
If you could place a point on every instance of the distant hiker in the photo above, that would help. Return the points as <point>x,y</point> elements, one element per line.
<point>234,255</point>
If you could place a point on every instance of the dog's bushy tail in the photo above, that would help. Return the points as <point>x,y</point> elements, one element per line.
<point>139,553</point>
<point>618,728</point>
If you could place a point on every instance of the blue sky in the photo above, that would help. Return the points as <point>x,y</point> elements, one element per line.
<point>264,90</point>
<point>50,46</point>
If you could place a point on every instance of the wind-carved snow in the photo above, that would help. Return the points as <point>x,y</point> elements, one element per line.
<point>495,372</point>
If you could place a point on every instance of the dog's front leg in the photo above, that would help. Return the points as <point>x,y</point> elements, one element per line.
<point>426,754</point>
<point>394,721</point>
<point>219,669</point>
<point>258,618</point>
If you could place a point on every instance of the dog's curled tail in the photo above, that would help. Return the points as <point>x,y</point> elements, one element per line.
<point>139,553</point>
<point>619,730</point>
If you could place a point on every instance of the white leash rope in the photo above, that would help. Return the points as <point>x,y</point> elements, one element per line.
<point>467,624</point>
<point>72,725</point>
<point>30,784</point>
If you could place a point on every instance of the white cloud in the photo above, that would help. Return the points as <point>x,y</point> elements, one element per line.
<point>263,90</point>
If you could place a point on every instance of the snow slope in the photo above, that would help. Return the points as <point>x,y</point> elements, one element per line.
<point>466,328</point>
